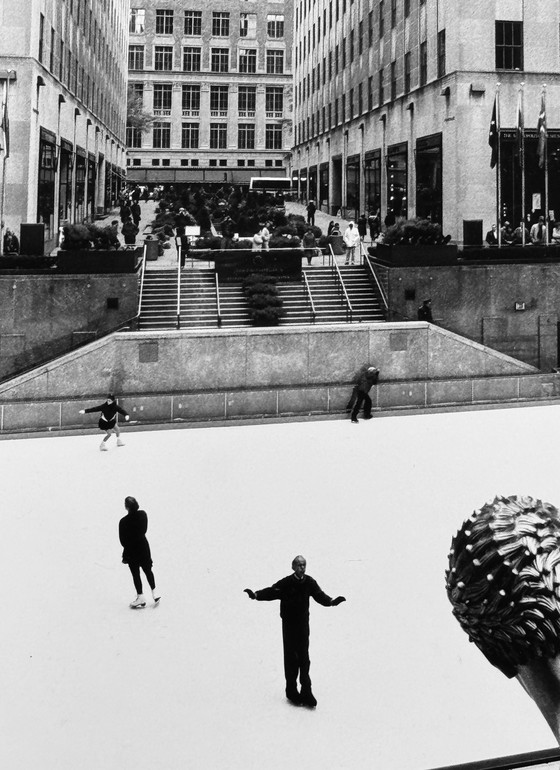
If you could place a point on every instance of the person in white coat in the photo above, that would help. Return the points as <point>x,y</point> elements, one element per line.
<point>351,239</point>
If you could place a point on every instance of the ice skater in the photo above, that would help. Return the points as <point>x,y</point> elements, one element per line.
<point>108,420</point>
<point>360,395</point>
<point>136,550</point>
<point>294,592</point>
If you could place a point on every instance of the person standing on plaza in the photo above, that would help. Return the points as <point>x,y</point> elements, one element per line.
<point>125,211</point>
<point>374,225</point>
<point>360,396</point>
<point>311,209</point>
<point>351,241</point>
<point>362,227</point>
<point>108,420</point>
<point>309,245</point>
<point>136,550</point>
<point>293,592</point>
<point>425,311</point>
<point>136,212</point>
<point>538,234</point>
<point>129,231</point>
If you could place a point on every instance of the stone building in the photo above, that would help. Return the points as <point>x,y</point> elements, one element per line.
<point>394,100</point>
<point>217,78</point>
<point>63,70</point>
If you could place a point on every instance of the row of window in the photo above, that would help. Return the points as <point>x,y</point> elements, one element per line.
<point>339,7</point>
<point>218,137</point>
<point>192,23</point>
<point>212,162</point>
<point>323,72</point>
<point>219,59</point>
<point>219,97</point>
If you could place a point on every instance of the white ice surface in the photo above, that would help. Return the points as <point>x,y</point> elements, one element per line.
<point>88,684</point>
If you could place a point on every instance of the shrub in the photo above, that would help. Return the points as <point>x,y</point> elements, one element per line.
<point>76,238</point>
<point>415,231</point>
<point>265,304</point>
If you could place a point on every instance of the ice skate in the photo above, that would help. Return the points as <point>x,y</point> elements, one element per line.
<point>293,696</point>
<point>103,447</point>
<point>354,419</point>
<point>120,442</point>
<point>156,598</point>
<point>138,603</point>
<point>308,699</point>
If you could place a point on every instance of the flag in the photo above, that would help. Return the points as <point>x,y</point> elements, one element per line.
<point>5,124</point>
<point>520,131</point>
<point>493,135</point>
<point>541,130</point>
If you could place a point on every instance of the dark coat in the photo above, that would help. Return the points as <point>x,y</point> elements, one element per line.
<point>108,411</point>
<point>425,313</point>
<point>294,597</point>
<point>366,380</point>
<point>132,534</point>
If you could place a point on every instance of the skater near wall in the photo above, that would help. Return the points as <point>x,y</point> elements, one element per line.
<point>294,592</point>
<point>136,550</point>
<point>108,420</point>
<point>367,377</point>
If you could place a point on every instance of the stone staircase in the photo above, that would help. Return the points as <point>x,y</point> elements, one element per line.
<point>199,301</point>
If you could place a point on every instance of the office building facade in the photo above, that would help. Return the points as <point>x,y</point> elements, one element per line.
<point>216,77</point>
<point>63,69</point>
<point>394,100</point>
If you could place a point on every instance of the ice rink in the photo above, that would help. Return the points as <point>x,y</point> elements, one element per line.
<point>198,682</point>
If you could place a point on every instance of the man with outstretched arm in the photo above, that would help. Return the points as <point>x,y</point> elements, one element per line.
<point>293,592</point>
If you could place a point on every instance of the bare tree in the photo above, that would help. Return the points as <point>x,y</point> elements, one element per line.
<point>136,116</point>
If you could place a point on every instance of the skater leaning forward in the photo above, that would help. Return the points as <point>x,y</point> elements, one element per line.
<point>294,592</point>
<point>136,550</point>
<point>108,419</point>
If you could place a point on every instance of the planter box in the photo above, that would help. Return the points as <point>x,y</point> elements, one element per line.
<point>22,263</point>
<point>421,254</point>
<point>528,253</point>
<point>124,261</point>
<point>237,264</point>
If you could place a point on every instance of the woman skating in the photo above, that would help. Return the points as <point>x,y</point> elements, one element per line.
<point>136,550</point>
<point>108,420</point>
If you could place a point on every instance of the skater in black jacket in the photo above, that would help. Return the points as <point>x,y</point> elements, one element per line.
<point>136,550</point>
<point>108,420</point>
<point>294,592</point>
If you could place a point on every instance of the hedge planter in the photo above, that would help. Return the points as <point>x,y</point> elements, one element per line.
<point>27,264</point>
<point>421,254</point>
<point>90,261</point>
<point>237,264</point>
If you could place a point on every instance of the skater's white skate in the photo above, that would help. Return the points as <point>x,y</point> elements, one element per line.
<point>138,603</point>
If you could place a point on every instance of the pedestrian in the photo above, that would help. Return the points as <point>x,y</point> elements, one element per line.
<point>492,237</point>
<point>330,228</point>
<point>129,231</point>
<point>538,233</point>
<point>136,212</point>
<point>351,240</point>
<point>374,225</point>
<point>367,377</point>
<point>108,419</point>
<point>11,243</point>
<point>390,219</point>
<point>257,241</point>
<point>309,245</point>
<point>336,242</point>
<point>265,235</point>
<point>425,311</point>
<point>136,550</point>
<point>362,226</point>
<point>293,592</point>
<point>311,209</point>
<point>125,211</point>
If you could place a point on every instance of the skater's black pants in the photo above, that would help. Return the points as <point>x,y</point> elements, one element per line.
<point>295,637</point>
<point>147,568</point>
<point>362,398</point>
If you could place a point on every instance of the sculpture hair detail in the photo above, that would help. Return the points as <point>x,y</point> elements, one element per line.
<point>504,581</point>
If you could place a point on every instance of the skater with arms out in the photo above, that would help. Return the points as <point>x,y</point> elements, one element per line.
<point>136,550</point>
<point>108,420</point>
<point>294,592</point>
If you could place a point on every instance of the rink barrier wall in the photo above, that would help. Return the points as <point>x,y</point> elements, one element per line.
<point>198,376</point>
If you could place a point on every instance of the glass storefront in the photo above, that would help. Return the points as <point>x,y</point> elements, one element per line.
<point>324,185</point>
<point>80,190</point>
<point>46,182</point>
<point>91,187</point>
<point>372,180</point>
<point>313,183</point>
<point>353,186</point>
<point>65,181</point>
<point>429,201</point>
<point>397,180</point>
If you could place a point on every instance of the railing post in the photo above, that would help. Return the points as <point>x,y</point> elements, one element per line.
<point>178,285</point>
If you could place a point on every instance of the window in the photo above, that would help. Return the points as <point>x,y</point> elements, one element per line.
<point>191,58</point>
<point>246,136</point>
<point>351,47</point>
<point>360,99</point>
<point>274,99</point>
<point>370,92</point>
<point>381,18</point>
<point>193,22</point>
<point>135,57</point>
<point>393,80</point>
<point>219,60</point>
<point>191,98</point>
<point>248,25</point>
<point>41,36</point>
<point>275,25</point>
<point>161,135</point>
<point>247,60</point>
<point>406,8</point>
<point>137,21</point>
<point>343,50</point>
<point>423,63</point>
<point>165,162</point>
<point>218,136</point>
<point>189,136</point>
<point>163,59</point>
<point>246,99</point>
<point>360,38</point>
<point>133,137</point>
<point>441,53</point>
<point>351,104</point>
<point>393,14</point>
<point>164,22</point>
<point>219,98</point>
<point>509,45</point>
<point>162,98</point>
<point>220,24</point>
<point>274,62</point>
<point>194,162</point>
<point>273,136</point>
<point>407,64</point>
<point>381,91</point>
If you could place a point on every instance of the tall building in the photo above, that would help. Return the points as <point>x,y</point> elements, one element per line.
<point>63,71</point>
<point>216,76</point>
<point>394,101</point>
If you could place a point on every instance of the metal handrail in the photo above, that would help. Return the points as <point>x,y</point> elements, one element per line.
<point>218,305</point>
<point>380,288</point>
<point>309,297</point>
<point>178,286</point>
<point>340,283</point>
<point>141,285</point>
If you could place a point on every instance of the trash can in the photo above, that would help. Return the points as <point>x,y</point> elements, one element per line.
<point>152,248</point>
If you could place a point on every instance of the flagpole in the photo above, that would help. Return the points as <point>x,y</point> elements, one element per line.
<point>499,166</point>
<point>521,119</point>
<point>4,152</point>
<point>545,175</point>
